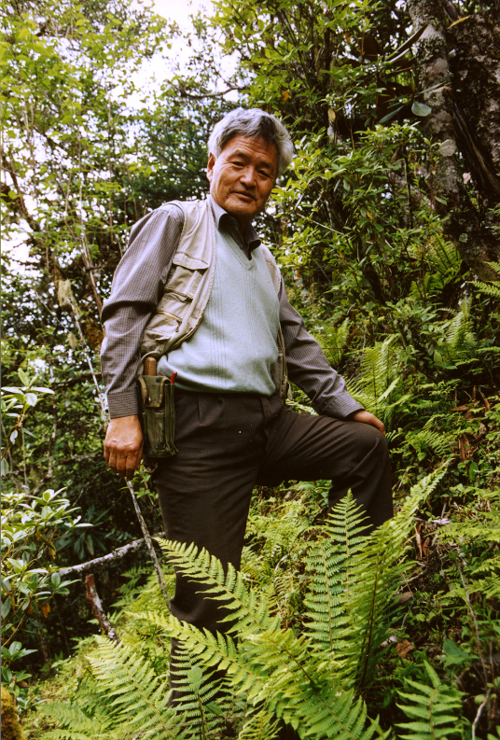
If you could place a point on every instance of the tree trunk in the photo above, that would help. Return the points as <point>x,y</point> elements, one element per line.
<point>465,120</point>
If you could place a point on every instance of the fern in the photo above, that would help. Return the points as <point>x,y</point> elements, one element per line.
<point>311,681</point>
<point>205,702</point>
<point>372,600</point>
<point>247,610</point>
<point>491,288</point>
<point>261,726</point>
<point>332,340</point>
<point>480,532</point>
<point>332,568</point>
<point>278,536</point>
<point>286,674</point>
<point>140,696</point>
<point>459,342</point>
<point>76,724</point>
<point>434,710</point>
<point>379,387</point>
<point>429,439</point>
<point>278,531</point>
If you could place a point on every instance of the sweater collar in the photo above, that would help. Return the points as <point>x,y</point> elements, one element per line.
<point>250,237</point>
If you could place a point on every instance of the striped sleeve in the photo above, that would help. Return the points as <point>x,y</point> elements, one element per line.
<point>136,289</point>
<point>310,370</point>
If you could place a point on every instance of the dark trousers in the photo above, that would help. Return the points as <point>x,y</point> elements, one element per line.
<point>228,443</point>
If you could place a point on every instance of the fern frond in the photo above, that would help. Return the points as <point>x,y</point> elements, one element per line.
<point>459,335</point>
<point>332,339</point>
<point>379,387</point>
<point>211,650</point>
<point>491,288</point>
<point>459,339</point>
<point>205,700</point>
<point>248,612</point>
<point>300,690</point>
<point>261,726</point>
<point>445,257</point>
<point>285,674</point>
<point>332,567</point>
<point>140,696</point>
<point>372,601</point>
<point>295,678</point>
<point>428,439</point>
<point>279,529</point>
<point>76,724</point>
<point>434,709</point>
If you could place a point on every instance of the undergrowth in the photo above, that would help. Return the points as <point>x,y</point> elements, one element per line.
<point>398,633</point>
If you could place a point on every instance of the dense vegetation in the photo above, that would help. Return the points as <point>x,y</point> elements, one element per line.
<point>387,229</point>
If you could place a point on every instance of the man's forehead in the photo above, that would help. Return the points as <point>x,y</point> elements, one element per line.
<point>247,145</point>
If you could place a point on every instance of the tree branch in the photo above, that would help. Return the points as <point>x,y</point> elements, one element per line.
<point>149,544</point>
<point>99,612</point>
<point>117,554</point>
<point>185,94</point>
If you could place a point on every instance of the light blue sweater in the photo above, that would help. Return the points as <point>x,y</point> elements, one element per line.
<point>234,347</point>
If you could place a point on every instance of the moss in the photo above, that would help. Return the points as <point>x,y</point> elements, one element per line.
<point>11,729</point>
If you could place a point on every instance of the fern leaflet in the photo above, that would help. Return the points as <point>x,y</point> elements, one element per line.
<point>434,709</point>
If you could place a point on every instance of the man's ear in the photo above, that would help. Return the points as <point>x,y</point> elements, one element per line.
<point>210,166</point>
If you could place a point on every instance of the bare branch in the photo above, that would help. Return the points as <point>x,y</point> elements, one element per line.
<point>185,94</point>
<point>117,554</point>
<point>149,544</point>
<point>99,612</point>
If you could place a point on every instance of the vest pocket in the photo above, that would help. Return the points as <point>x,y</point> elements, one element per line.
<point>185,276</point>
<point>162,326</point>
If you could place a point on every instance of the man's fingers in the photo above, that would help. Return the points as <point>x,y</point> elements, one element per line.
<point>366,417</point>
<point>123,445</point>
<point>124,463</point>
<point>133,463</point>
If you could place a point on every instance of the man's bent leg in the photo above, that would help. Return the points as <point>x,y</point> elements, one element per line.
<point>350,454</point>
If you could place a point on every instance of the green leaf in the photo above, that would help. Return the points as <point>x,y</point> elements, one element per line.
<point>6,674</point>
<point>455,656</point>
<point>24,378</point>
<point>6,607</point>
<point>391,115</point>
<point>420,109</point>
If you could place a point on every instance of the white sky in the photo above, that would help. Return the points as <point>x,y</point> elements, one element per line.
<point>180,10</point>
<point>158,68</point>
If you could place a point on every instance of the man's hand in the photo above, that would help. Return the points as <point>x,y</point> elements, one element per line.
<point>123,445</point>
<point>367,418</point>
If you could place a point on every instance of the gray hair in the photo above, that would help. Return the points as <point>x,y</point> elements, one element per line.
<point>253,123</point>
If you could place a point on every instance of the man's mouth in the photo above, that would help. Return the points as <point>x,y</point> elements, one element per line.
<point>245,195</point>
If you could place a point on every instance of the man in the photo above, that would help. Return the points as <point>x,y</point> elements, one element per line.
<point>232,429</point>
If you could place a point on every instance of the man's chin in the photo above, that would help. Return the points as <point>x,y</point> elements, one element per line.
<point>241,210</point>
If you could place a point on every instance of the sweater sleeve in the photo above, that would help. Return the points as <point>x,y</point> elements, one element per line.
<point>309,369</point>
<point>135,292</point>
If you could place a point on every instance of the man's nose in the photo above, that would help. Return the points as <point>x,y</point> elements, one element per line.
<point>248,176</point>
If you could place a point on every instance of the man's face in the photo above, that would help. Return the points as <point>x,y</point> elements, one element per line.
<point>242,176</point>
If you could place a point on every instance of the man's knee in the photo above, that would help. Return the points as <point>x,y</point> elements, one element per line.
<point>368,443</point>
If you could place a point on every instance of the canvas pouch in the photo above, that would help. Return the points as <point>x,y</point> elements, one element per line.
<point>157,415</point>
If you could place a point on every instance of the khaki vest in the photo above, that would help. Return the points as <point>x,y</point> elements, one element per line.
<point>188,287</point>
